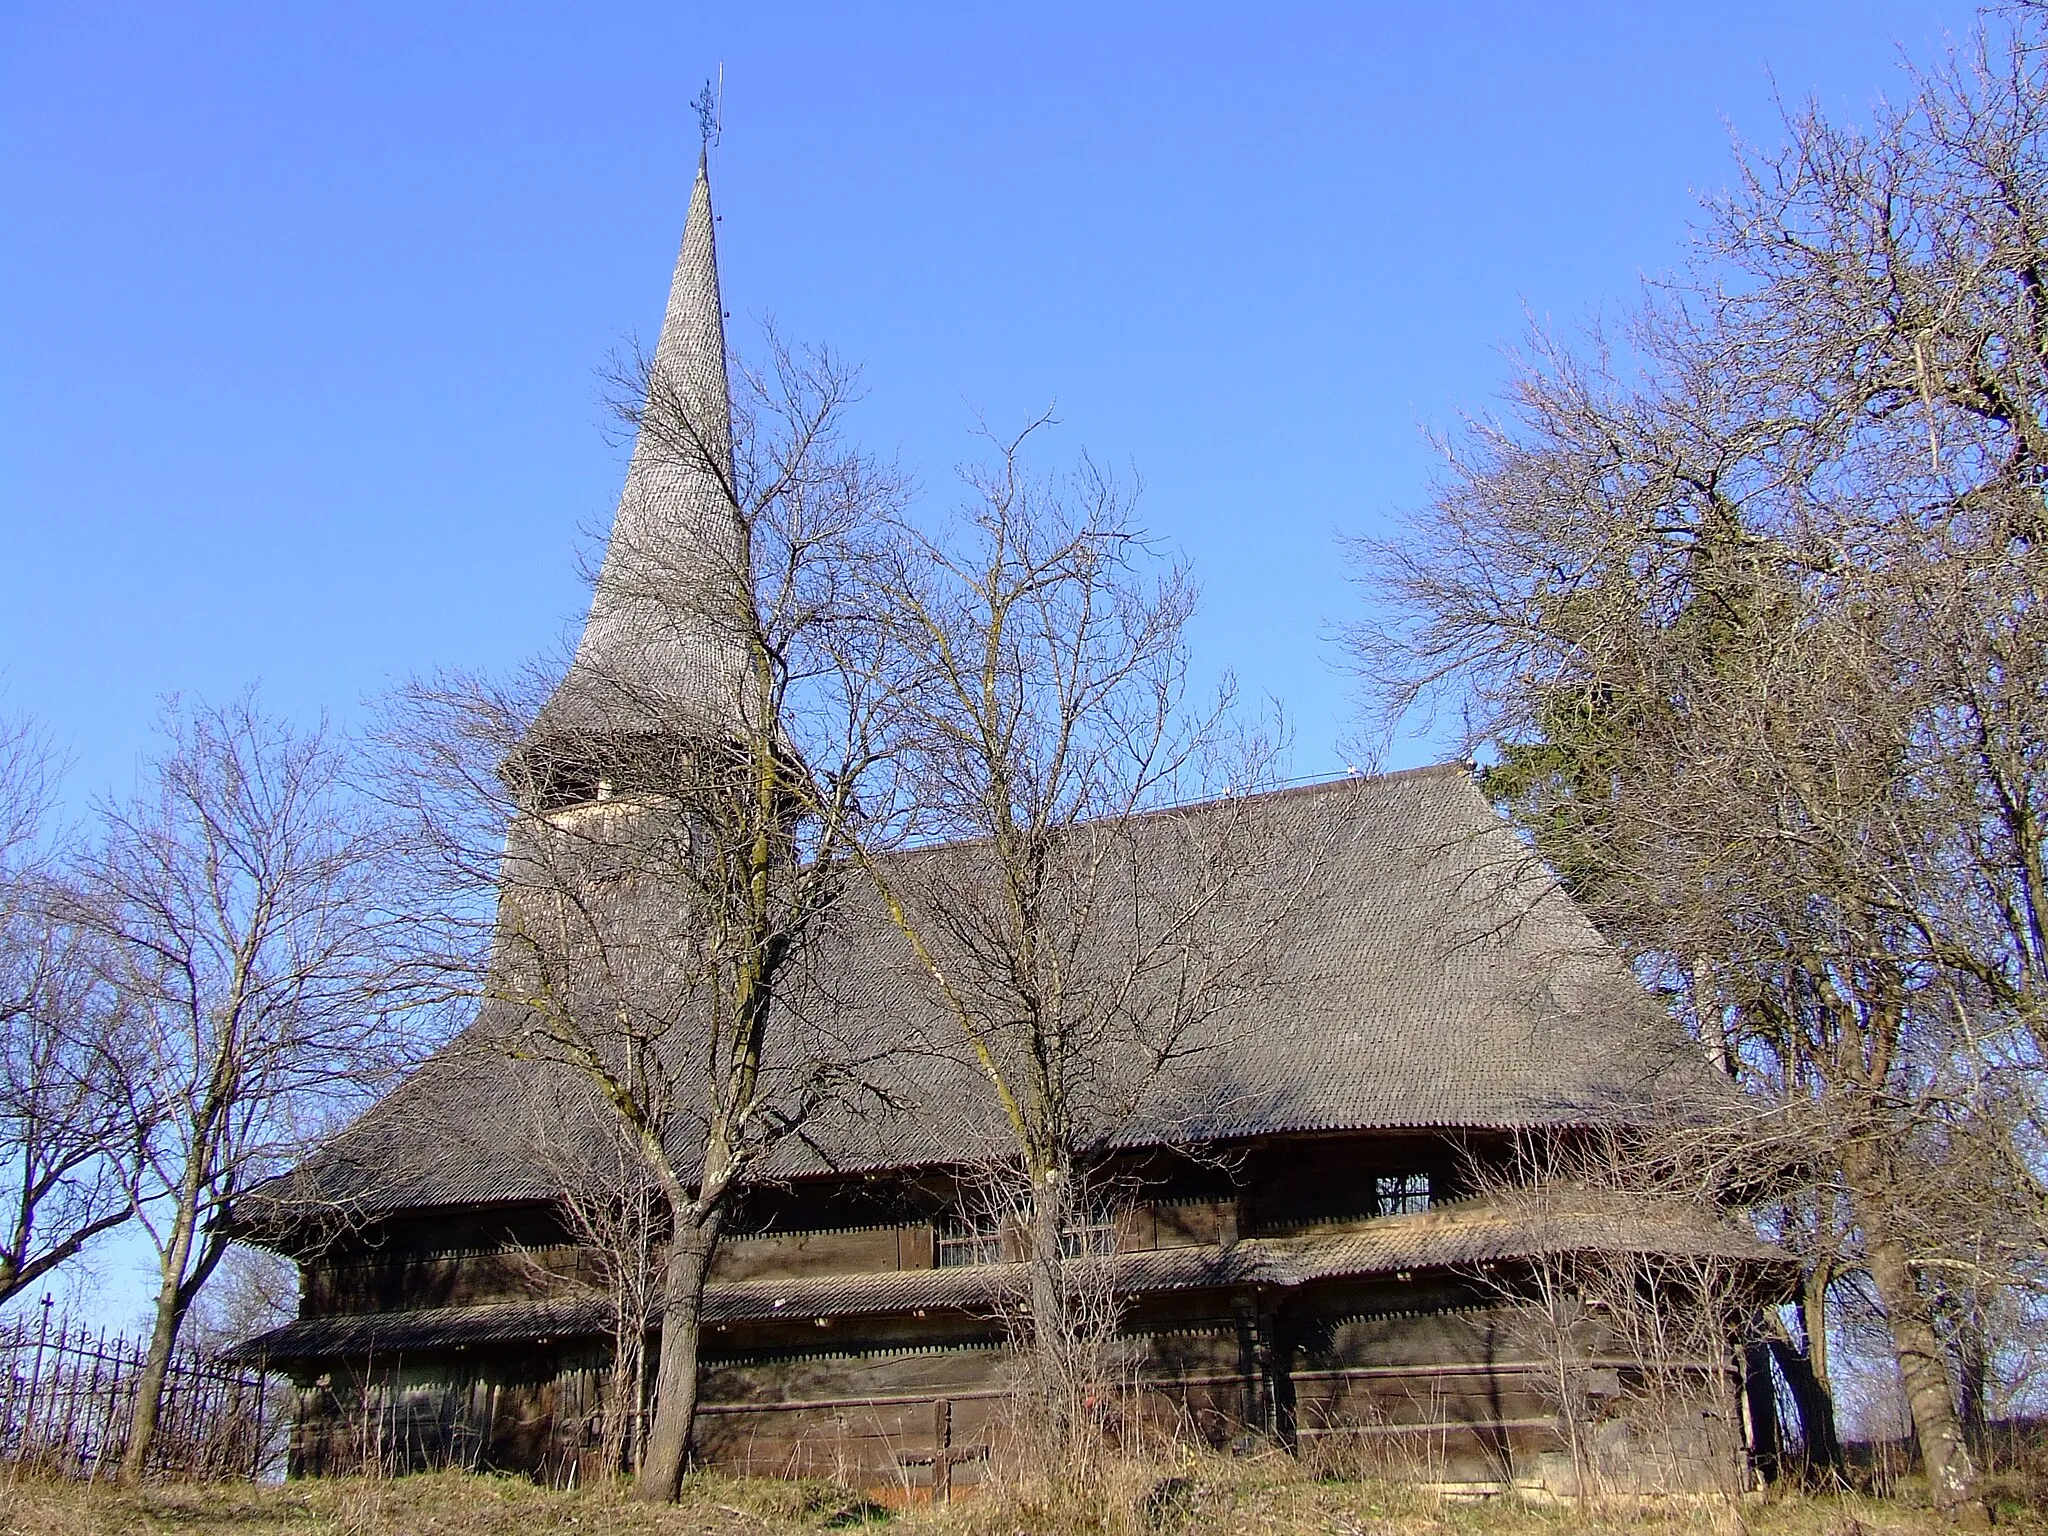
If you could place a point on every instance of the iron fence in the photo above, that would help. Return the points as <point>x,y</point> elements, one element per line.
<point>67,1401</point>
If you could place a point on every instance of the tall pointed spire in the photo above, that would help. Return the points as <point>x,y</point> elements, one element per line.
<point>659,654</point>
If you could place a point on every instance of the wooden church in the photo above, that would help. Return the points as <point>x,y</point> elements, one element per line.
<point>1306,1249</point>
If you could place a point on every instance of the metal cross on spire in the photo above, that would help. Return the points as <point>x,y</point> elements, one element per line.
<point>710,105</point>
<point>658,658</point>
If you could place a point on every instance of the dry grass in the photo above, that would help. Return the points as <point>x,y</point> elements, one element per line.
<point>440,1504</point>
<point>1255,1498</point>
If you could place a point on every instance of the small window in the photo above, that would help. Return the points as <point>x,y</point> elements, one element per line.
<point>1400,1194</point>
<point>1096,1237</point>
<point>965,1239</point>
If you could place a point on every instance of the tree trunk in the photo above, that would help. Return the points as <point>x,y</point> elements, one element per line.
<point>1047,1300</point>
<point>1066,1393</point>
<point>660,1478</point>
<point>171,1303</point>
<point>1973,1372</point>
<point>1816,1373</point>
<point>1815,1405</point>
<point>1803,1363</point>
<point>1951,1474</point>
<point>622,1391</point>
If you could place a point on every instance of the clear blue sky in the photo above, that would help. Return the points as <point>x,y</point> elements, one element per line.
<point>302,305</point>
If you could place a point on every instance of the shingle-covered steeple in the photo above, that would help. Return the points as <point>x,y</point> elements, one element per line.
<point>660,657</point>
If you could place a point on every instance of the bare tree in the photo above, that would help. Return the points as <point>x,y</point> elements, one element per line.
<point>610,1208</point>
<point>1753,626</point>
<point>62,1111</point>
<point>239,916</point>
<point>1088,934</point>
<point>252,1291</point>
<point>1634,1296</point>
<point>661,886</point>
<point>65,1108</point>
<point>617,1226</point>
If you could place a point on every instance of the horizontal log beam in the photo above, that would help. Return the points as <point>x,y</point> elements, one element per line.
<point>822,1404</point>
<point>1484,1368</point>
<point>1456,1426</point>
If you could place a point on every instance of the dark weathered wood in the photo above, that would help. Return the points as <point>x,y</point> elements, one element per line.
<point>1183,1224</point>
<point>916,1245</point>
<point>1431,1361</point>
<point>412,1282</point>
<point>944,1455</point>
<point>1542,1421</point>
<point>907,1400</point>
<point>789,1255</point>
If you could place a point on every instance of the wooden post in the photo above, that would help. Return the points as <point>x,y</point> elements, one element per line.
<point>1254,1400</point>
<point>256,1449</point>
<point>942,1451</point>
<point>944,1455</point>
<point>1760,1410</point>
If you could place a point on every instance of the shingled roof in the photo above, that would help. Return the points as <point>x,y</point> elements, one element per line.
<point>654,658</point>
<point>1426,971</point>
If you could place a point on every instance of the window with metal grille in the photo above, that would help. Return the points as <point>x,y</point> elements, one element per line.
<point>965,1238</point>
<point>1398,1194</point>
<point>1096,1236</point>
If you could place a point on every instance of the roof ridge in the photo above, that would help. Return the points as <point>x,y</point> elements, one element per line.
<point>1289,789</point>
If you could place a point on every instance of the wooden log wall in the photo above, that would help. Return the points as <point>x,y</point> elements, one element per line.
<point>874,1420</point>
<point>854,1251</point>
<point>409,1281</point>
<point>505,1410</point>
<point>1418,1371</point>
<point>1452,1394</point>
<point>405,1278</point>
